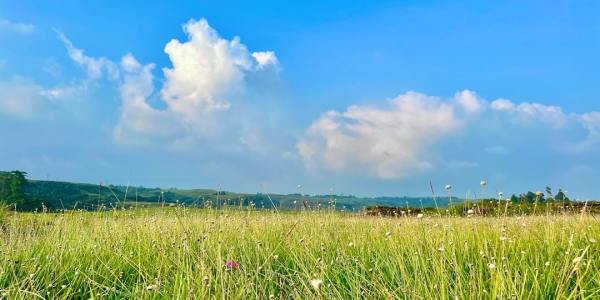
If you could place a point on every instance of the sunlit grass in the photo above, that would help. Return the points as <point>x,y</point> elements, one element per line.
<point>183,253</point>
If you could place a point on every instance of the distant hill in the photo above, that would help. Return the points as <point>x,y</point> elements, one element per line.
<point>69,195</point>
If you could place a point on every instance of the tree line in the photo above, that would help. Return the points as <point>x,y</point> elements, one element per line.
<point>13,186</point>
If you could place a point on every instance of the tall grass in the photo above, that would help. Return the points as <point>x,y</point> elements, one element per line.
<point>182,253</point>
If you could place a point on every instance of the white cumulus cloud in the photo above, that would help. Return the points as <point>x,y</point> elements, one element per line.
<point>530,112</point>
<point>388,142</point>
<point>401,138</point>
<point>470,101</point>
<point>207,77</point>
<point>266,59</point>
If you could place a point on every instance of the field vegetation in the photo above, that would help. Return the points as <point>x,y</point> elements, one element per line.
<point>231,253</point>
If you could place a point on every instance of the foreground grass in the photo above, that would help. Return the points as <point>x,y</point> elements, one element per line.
<point>178,253</point>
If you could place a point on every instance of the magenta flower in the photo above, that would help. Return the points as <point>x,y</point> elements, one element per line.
<point>232,264</point>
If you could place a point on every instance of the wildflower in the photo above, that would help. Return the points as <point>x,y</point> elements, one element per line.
<point>441,249</point>
<point>316,284</point>
<point>577,259</point>
<point>152,287</point>
<point>351,244</point>
<point>232,265</point>
<point>547,264</point>
<point>492,266</point>
<point>419,216</point>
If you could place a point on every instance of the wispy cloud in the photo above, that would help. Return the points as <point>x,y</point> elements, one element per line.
<point>20,98</point>
<point>498,150</point>
<point>94,67</point>
<point>591,122</point>
<point>16,27</point>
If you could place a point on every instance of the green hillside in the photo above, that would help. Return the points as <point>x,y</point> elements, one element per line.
<point>68,195</point>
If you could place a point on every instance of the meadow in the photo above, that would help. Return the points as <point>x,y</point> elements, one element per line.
<point>183,253</point>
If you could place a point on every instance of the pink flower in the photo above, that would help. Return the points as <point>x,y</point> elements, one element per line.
<point>232,264</point>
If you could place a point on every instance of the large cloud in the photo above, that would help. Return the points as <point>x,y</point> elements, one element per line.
<point>207,77</point>
<point>207,73</point>
<point>400,138</point>
<point>389,142</point>
<point>206,70</point>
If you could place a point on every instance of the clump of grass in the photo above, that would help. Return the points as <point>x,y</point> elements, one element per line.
<point>4,213</point>
<point>192,253</point>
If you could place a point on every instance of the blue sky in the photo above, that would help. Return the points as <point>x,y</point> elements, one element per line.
<point>365,98</point>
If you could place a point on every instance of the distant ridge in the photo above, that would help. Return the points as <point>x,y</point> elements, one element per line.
<point>69,195</point>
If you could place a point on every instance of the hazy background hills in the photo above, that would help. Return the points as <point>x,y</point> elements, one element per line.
<point>70,195</point>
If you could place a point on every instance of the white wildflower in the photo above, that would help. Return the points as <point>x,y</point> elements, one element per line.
<point>316,284</point>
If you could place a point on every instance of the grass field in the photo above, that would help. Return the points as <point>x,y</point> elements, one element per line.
<point>202,254</point>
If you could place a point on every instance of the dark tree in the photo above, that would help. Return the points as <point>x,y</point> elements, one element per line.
<point>561,196</point>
